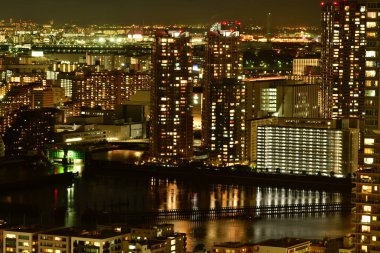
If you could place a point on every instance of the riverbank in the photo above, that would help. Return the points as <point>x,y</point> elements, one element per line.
<point>223,175</point>
<point>31,172</point>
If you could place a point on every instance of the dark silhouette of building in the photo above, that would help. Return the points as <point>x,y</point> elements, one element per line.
<point>31,130</point>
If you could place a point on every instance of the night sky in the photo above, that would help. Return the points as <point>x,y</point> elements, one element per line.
<point>290,12</point>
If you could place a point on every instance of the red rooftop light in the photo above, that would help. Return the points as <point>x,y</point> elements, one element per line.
<point>322,3</point>
<point>336,3</point>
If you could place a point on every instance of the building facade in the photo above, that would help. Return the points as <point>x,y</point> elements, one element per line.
<point>171,124</point>
<point>284,245</point>
<point>371,151</point>
<point>367,227</point>
<point>31,130</point>
<point>53,242</point>
<point>367,208</point>
<point>305,66</point>
<point>223,124</point>
<point>21,240</point>
<point>314,147</point>
<point>343,58</point>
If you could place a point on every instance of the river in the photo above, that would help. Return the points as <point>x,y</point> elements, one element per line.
<point>123,193</point>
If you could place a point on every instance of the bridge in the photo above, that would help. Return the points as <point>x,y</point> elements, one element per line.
<point>248,212</point>
<point>128,50</point>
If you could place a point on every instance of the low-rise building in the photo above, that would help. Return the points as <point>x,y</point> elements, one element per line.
<point>159,239</point>
<point>21,240</point>
<point>284,245</point>
<point>103,241</point>
<point>55,241</point>
<point>234,247</point>
<point>146,233</point>
<point>307,146</point>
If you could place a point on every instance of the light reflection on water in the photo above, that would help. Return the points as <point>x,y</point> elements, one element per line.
<point>119,155</point>
<point>309,227</point>
<point>172,195</point>
<point>125,193</point>
<point>217,231</point>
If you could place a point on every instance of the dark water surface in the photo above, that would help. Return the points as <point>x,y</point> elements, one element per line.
<point>122,193</point>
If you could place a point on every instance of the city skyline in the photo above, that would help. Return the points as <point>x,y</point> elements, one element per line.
<point>163,12</point>
<point>210,115</point>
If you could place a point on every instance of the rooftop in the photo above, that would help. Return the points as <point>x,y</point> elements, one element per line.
<point>31,230</point>
<point>155,226</point>
<point>93,234</point>
<point>283,242</point>
<point>231,245</point>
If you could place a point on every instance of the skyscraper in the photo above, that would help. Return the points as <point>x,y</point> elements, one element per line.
<point>367,208</point>
<point>343,61</point>
<point>372,74</point>
<point>171,118</point>
<point>350,71</point>
<point>366,221</point>
<point>223,123</point>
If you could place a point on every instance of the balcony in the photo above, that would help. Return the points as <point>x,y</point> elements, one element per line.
<point>362,233</point>
<point>366,193</point>
<point>361,222</point>
<point>366,181</point>
<point>363,242</point>
<point>360,211</point>
<point>368,201</point>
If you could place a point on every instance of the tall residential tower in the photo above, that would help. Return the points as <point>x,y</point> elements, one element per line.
<point>343,61</point>
<point>171,115</point>
<point>223,123</point>
<point>351,64</point>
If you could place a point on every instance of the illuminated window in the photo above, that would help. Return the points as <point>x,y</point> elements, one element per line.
<point>370,53</point>
<point>368,160</point>
<point>371,24</point>
<point>366,219</point>
<point>367,209</point>
<point>370,73</point>
<point>371,14</point>
<point>371,83</point>
<point>367,189</point>
<point>371,34</point>
<point>366,229</point>
<point>369,141</point>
